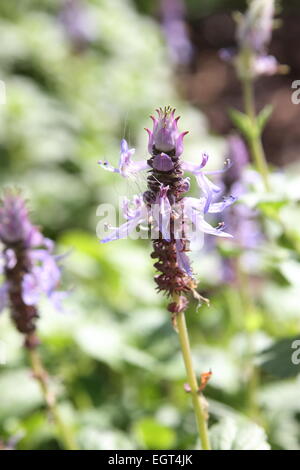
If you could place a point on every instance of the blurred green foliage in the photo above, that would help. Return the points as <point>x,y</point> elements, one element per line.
<point>113,354</point>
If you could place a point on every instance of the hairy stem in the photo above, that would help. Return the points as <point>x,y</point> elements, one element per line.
<point>42,377</point>
<point>197,397</point>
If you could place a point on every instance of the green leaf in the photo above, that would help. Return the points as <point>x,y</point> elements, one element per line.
<point>290,269</point>
<point>241,434</point>
<point>20,393</point>
<point>242,122</point>
<point>108,343</point>
<point>153,435</point>
<point>272,208</point>
<point>264,116</point>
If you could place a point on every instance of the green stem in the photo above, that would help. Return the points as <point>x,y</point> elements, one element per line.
<point>197,398</point>
<point>247,302</point>
<point>42,377</point>
<point>254,140</point>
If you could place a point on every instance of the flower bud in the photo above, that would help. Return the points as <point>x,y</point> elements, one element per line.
<point>165,136</point>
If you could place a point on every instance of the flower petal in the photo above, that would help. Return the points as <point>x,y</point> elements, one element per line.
<point>106,166</point>
<point>124,230</point>
<point>208,188</point>
<point>194,212</point>
<point>57,299</point>
<point>126,166</point>
<point>207,228</point>
<point>161,212</point>
<point>220,206</point>
<point>179,143</point>
<point>31,289</point>
<point>182,259</point>
<point>162,162</point>
<point>193,167</point>
<point>227,165</point>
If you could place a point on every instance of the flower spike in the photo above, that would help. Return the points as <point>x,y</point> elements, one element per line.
<point>177,223</point>
<point>30,268</point>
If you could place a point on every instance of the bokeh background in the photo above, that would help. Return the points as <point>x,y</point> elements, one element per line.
<point>79,76</point>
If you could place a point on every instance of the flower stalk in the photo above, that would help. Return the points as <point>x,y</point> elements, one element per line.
<point>197,397</point>
<point>251,60</point>
<point>41,376</point>
<point>254,138</point>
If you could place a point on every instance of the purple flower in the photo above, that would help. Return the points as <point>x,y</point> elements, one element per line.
<point>182,258</point>
<point>266,65</point>
<point>162,162</point>
<point>239,156</point>
<point>253,35</point>
<point>209,189</point>
<point>255,27</point>
<point>78,23</point>
<point>14,223</point>
<point>247,229</point>
<point>165,136</point>
<point>126,166</point>
<point>175,30</point>
<point>243,219</point>
<point>136,214</point>
<point>194,223</point>
<point>30,268</point>
<point>161,212</point>
<point>189,211</point>
<point>177,223</point>
<point>43,279</point>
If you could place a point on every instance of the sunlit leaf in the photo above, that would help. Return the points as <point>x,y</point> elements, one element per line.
<point>153,435</point>
<point>232,434</point>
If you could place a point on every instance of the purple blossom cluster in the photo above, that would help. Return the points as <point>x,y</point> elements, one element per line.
<point>29,267</point>
<point>253,36</point>
<point>163,205</point>
<point>242,219</point>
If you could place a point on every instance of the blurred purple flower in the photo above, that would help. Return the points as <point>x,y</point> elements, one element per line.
<point>246,226</point>
<point>30,268</point>
<point>239,156</point>
<point>254,32</point>
<point>12,442</point>
<point>241,218</point>
<point>14,223</point>
<point>255,26</point>
<point>78,23</point>
<point>175,29</point>
<point>266,65</point>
